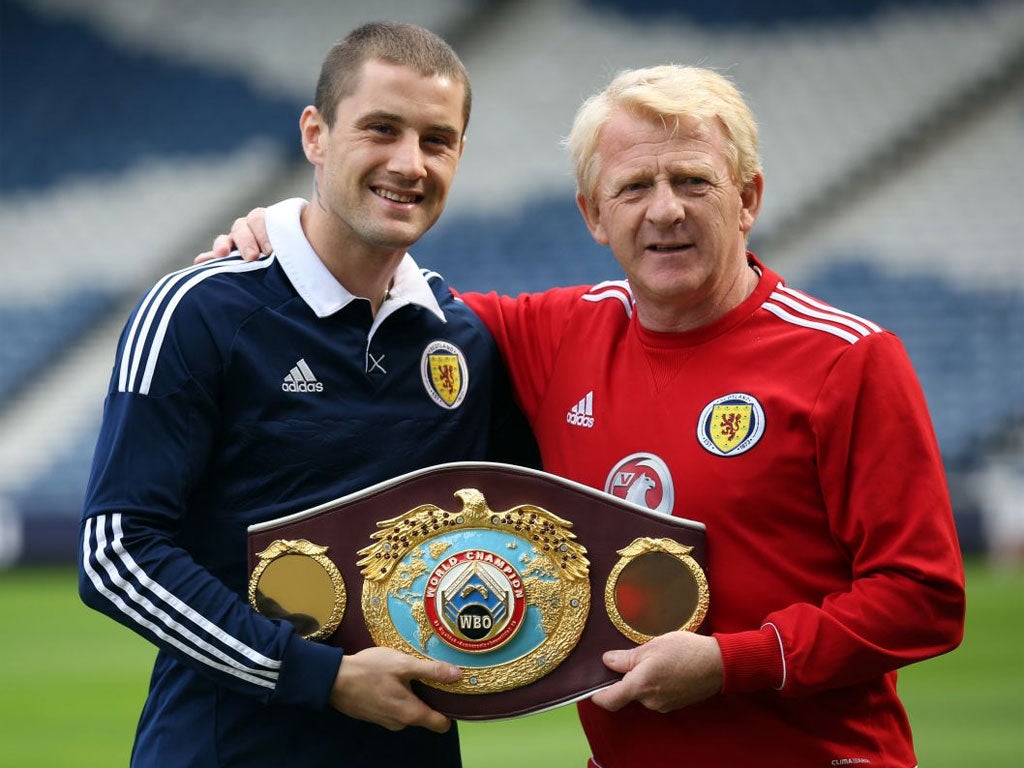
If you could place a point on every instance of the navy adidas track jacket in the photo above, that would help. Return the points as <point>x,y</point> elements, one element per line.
<point>241,392</point>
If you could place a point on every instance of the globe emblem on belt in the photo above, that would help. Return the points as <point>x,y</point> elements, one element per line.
<point>504,594</point>
<point>475,600</point>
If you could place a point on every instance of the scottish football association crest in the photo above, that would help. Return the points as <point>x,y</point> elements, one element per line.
<point>504,595</point>
<point>444,372</point>
<point>731,425</point>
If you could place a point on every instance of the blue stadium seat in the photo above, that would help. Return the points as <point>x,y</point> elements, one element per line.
<point>542,245</point>
<point>967,346</point>
<point>105,108</point>
<point>733,13</point>
<point>36,334</point>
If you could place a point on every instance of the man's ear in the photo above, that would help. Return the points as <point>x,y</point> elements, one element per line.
<point>751,196</point>
<point>592,216</point>
<point>313,130</point>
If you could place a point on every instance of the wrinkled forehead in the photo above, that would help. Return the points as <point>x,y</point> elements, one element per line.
<point>629,134</point>
<point>632,129</point>
<point>681,124</point>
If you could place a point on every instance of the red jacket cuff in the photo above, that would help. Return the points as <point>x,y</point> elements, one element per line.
<point>752,661</point>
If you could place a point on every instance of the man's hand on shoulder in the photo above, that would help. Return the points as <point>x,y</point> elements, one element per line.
<point>248,236</point>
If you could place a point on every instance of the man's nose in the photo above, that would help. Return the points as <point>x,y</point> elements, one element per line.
<point>666,205</point>
<point>407,159</point>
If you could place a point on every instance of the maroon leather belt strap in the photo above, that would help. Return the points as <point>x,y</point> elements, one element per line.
<point>519,577</point>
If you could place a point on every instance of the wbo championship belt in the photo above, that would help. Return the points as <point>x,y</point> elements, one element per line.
<point>521,578</point>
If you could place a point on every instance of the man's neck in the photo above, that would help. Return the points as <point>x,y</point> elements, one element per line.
<point>671,317</point>
<point>363,270</point>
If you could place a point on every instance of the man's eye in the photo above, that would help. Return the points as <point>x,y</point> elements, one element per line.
<point>382,128</point>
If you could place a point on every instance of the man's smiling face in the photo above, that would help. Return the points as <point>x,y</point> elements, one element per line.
<point>385,167</point>
<point>671,210</point>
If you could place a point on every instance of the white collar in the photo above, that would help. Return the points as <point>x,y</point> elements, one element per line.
<point>315,283</point>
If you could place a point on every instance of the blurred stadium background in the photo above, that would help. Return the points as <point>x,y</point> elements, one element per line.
<point>132,131</point>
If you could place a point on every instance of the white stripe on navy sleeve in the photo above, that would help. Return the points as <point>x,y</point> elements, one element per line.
<point>109,566</point>
<point>143,343</point>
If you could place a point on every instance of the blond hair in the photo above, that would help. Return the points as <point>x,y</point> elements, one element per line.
<point>666,93</point>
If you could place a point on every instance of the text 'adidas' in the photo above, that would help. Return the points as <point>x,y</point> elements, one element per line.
<point>582,414</point>
<point>301,379</point>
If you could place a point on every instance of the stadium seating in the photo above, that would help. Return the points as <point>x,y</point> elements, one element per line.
<point>967,346</point>
<point>891,132</point>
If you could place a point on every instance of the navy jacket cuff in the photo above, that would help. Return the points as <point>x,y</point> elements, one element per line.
<point>308,672</point>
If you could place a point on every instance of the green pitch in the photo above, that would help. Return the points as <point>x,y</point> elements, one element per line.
<point>73,682</point>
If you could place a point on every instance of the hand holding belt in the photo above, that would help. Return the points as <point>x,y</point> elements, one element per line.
<point>521,578</point>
